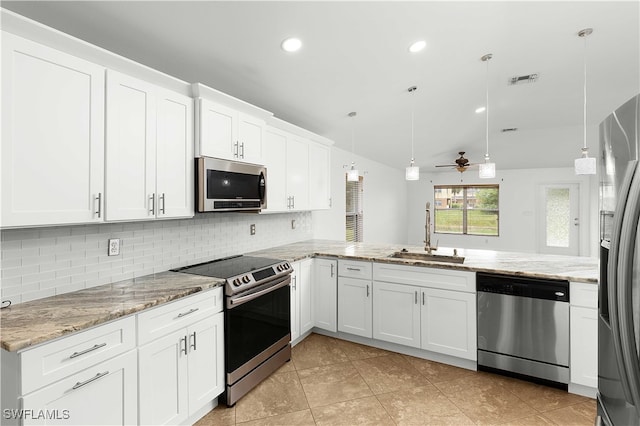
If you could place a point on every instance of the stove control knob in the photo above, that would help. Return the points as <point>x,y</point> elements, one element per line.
<point>245,279</point>
<point>285,266</point>
<point>236,282</point>
<point>280,268</point>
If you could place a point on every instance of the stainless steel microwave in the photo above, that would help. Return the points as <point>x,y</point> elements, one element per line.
<point>224,185</point>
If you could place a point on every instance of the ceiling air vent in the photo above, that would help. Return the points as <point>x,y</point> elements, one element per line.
<point>521,79</point>
<point>509,129</point>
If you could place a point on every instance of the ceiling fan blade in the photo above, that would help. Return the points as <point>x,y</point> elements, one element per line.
<point>447,165</point>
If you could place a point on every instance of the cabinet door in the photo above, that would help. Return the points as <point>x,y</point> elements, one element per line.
<point>130,149</point>
<point>250,135</point>
<point>448,322</point>
<point>325,294</point>
<point>584,346</point>
<point>163,380</point>
<point>52,136</point>
<point>396,313</point>
<point>174,156</point>
<point>319,177</point>
<point>217,131</point>
<point>304,294</point>
<point>205,361</point>
<point>275,159</point>
<point>295,301</point>
<point>297,173</point>
<point>105,394</point>
<point>354,306</point>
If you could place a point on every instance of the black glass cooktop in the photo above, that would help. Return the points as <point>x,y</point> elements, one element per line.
<point>229,267</point>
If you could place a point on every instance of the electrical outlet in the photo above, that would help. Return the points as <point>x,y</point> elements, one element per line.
<point>114,246</point>
<point>293,224</point>
<point>252,229</point>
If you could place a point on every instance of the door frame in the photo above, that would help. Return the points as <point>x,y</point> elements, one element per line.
<point>576,190</point>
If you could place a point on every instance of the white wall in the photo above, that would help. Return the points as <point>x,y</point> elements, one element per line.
<point>519,227</point>
<point>42,262</point>
<point>385,201</point>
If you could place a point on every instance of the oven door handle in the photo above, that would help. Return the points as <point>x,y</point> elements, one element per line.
<point>232,302</point>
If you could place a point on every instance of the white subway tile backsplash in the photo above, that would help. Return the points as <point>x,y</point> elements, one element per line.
<point>41,262</point>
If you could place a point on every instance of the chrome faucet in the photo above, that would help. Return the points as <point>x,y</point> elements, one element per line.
<point>427,232</point>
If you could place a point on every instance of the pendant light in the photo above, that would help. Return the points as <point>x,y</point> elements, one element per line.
<point>585,165</point>
<point>352,174</point>
<point>487,169</point>
<point>412,172</point>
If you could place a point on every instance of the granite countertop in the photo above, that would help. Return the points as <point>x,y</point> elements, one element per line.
<point>38,321</point>
<point>571,268</point>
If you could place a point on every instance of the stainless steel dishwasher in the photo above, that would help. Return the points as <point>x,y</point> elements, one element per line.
<point>523,326</point>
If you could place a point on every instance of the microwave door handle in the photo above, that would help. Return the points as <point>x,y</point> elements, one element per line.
<point>625,267</point>
<point>262,187</point>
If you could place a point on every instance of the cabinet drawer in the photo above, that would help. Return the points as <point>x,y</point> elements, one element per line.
<point>53,361</point>
<point>355,269</point>
<point>444,279</point>
<point>167,318</point>
<point>583,294</point>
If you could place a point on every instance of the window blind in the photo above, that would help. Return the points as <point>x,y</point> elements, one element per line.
<point>354,192</point>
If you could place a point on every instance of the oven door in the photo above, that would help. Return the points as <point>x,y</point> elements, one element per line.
<point>257,325</point>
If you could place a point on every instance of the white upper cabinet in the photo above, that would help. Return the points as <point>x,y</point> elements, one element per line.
<point>52,136</point>
<point>149,151</point>
<point>297,173</point>
<point>225,133</point>
<point>319,176</point>
<point>275,159</point>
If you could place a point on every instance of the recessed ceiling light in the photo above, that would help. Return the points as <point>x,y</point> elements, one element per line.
<point>291,44</point>
<point>417,46</point>
<point>481,109</point>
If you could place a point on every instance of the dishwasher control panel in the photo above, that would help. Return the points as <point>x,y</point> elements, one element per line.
<point>537,288</point>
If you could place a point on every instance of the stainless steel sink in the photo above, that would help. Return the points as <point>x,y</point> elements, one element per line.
<point>427,257</point>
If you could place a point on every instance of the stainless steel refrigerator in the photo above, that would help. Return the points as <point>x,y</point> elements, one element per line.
<point>619,290</point>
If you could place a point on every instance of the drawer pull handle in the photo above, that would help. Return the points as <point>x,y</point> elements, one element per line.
<point>353,269</point>
<point>184,314</point>
<point>367,290</point>
<point>77,354</point>
<point>86,382</point>
<point>183,340</point>
<point>192,344</point>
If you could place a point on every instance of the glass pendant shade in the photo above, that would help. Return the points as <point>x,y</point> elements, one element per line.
<point>412,172</point>
<point>487,170</point>
<point>585,165</point>
<point>352,174</point>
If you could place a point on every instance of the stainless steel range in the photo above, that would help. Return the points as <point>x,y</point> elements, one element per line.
<point>257,322</point>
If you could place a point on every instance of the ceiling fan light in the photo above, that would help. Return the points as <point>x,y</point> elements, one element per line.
<point>487,170</point>
<point>585,165</point>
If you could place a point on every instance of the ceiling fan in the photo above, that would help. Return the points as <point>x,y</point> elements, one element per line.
<point>461,164</point>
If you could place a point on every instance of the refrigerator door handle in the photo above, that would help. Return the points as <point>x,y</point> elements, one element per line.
<point>626,248</point>
<point>612,277</point>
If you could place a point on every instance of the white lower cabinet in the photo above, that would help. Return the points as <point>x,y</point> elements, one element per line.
<point>325,294</point>
<point>583,317</point>
<point>414,306</point>
<point>182,371</point>
<point>355,298</point>
<point>301,309</point>
<point>105,394</point>
<point>448,322</point>
<point>396,313</point>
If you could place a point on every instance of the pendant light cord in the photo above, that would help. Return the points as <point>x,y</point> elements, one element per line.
<point>486,156</point>
<point>584,93</point>
<point>413,110</point>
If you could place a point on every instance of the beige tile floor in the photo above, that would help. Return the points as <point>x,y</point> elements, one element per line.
<point>335,382</point>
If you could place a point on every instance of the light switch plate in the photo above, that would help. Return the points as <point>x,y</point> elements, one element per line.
<point>114,246</point>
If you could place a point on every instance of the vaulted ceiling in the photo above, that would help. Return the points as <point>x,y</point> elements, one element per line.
<point>355,58</point>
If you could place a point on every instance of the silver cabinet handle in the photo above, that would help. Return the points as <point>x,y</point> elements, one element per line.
<point>99,200</point>
<point>416,297</point>
<point>190,311</point>
<point>353,269</point>
<point>183,349</point>
<point>295,280</point>
<point>422,298</point>
<point>77,354</point>
<point>332,270</point>
<point>235,149</point>
<point>152,198</point>
<point>242,148</point>
<point>293,202</point>
<point>163,203</point>
<point>367,290</point>
<point>86,382</point>
<point>192,345</point>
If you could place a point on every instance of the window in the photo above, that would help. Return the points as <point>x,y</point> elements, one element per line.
<point>354,211</point>
<point>466,209</point>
